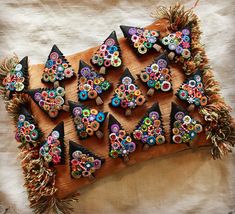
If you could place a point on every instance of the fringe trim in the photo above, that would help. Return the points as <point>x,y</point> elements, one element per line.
<point>220,125</point>
<point>39,177</point>
<point>6,65</point>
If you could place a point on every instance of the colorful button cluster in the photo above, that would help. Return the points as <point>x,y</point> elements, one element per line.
<point>185,128</point>
<point>57,68</point>
<point>83,165</point>
<point>87,121</point>
<point>127,95</point>
<point>91,84</point>
<point>26,132</point>
<point>121,144</point>
<point>51,150</point>
<point>143,40</point>
<point>150,130</point>
<point>14,81</point>
<point>180,42</point>
<point>157,76</point>
<point>108,54</point>
<point>192,91</point>
<point>51,100</point>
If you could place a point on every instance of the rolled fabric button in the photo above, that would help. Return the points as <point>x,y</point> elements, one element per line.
<point>192,83</point>
<point>86,173</point>
<point>142,49</point>
<point>77,111</point>
<point>160,139</point>
<point>60,91</point>
<point>165,41</point>
<point>76,174</point>
<point>179,115</point>
<point>122,133</point>
<point>154,115</point>
<point>19,86</point>
<point>94,111</point>
<point>109,42</point>
<point>97,163</point>
<point>77,154</point>
<point>186,53</point>
<point>144,77</point>
<point>100,117</point>
<point>92,94</point>
<point>203,100</point>
<point>54,56</point>
<point>140,100</point>
<point>187,119</point>
<point>115,102</point>
<point>95,125</point>
<point>89,131</point>
<point>183,94</point>
<point>137,134</point>
<point>86,112</point>
<point>198,128</point>
<point>115,128</point>
<point>177,139</point>
<point>83,95</point>
<point>197,78</point>
<point>132,146</point>
<point>55,134</point>
<point>18,67</point>
<point>114,153</point>
<point>165,86</point>
<point>112,136</point>
<point>126,81</point>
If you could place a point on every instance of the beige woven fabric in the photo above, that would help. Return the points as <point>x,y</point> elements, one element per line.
<point>183,183</point>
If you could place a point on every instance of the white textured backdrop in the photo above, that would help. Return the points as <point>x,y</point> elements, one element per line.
<point>183,183</point>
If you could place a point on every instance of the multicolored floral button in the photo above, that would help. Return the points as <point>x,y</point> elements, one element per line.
<point>179,42</point>
<point>52,150</point>
<point>83,163</point>
<point>108,54</point>
<point>57,68</point>
<point>183,127</point>
<point>121,143</point>
<point>90,84</point>
<point>87,121</point>
<point>141,39</point>
<point>150,130</point>
<point>157,76</point>
<point>17,79</point>
<point>127,94</point>
<point>50,101</point>
<point>192,90</point>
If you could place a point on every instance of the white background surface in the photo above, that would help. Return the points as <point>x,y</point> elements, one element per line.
<point>183,183</point>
